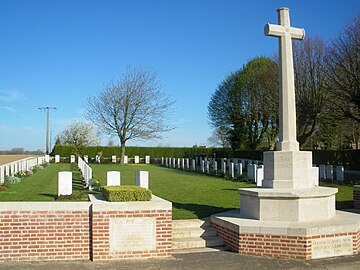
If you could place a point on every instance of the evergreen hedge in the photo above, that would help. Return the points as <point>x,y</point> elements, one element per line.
<point>126,193</point>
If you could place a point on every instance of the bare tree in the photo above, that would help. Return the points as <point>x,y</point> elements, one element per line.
<point>134,107</point>
<point>309,71</point>
<point>343,72</point>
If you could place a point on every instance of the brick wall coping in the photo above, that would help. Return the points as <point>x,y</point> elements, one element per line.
<point>356,187</point>
<point>45,206</point>
<point>156,203</point>
<point>315,192</point>
<point>342,222</point>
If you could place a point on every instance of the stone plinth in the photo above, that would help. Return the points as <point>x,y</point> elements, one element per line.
<point>269,204</point>
<point>336,236</point>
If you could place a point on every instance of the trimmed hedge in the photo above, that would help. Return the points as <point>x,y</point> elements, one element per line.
<point>126,193</point>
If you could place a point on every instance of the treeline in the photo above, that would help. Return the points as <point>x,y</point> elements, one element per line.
<point>244,109</point>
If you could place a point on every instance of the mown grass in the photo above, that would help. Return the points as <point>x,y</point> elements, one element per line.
<point>193,195</point>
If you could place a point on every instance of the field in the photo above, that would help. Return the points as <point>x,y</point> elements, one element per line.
<point>10,158</point>
<point>193,195</point>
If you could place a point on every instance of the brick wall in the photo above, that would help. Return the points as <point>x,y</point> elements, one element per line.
<point>44,234</point>
<point>356,196</point>
<point>283,246</point>
<point>101,234</point>
<point>37,231</point>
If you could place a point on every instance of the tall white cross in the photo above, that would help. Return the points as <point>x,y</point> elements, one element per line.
<point>285,33</point>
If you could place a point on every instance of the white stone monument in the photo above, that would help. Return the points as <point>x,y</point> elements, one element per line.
<point>113,178</point>
<point>64,183</point>
<point>330,173</point>
<point>259,177</point>
<point>47,158</point>
<point>113,159</point>
<point>340,174</point>
<point>251,172</point>
<point>97,159</point>
<point>57,158</point>
<point>193,163</point>
<point>142,179</point>
<point>126,160</point>
<point>136,160</point>
<point>231,169</point>
<point>322,172</point>
<point>147,159</point>
<point>72,158</point>
<point>86,159</point>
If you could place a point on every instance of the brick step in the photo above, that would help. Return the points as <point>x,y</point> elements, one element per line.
<point>197,250</point>
<point>197,242</point>
<point>193,232</point>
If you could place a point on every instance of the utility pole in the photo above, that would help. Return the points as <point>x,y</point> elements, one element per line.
<point>47,109</point>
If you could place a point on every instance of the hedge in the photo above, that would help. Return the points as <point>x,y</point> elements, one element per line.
<point>126,193</point>
<point>350,159</point>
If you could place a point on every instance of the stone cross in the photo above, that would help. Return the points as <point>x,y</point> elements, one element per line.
<point>286,33</point>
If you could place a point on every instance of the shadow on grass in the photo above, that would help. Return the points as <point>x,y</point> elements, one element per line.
<point>344,205</point>
<point>48,195</point>
<point>200,210</point>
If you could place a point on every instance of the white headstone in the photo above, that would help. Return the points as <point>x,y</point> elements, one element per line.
<point>174,162</point>
<point>340,174</point>
<point>113,178</point>
<point>207,164</point>
<point>72,158</point>
<point>330,172</point>
<point>86,159</point>
<point>215,167</point>
<point>142,179</point>
<point>47,158</point>
<point>251,171</point>
<point>322,172</point>
<point>183,163</point>
<point>147,159</point>
<point>97,159</point>
<point>231,169</point>
<point>202,165</point>
<point>162,160</point>
<point>126,160</point>
<point>259,175</point>
<point>193,165</point>
<point>64,183</point>
<point>187,164</point>
<point>239,170</point>
<point>136,160</point>
<point>113,159</point>
<point>315,175</point>
<point>57,158</point>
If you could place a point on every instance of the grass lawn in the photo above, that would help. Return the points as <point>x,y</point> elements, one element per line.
<point>193,195</point>
<point>42,186</point>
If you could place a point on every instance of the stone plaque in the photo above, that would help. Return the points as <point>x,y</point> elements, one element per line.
<point>132,234</point>
<point>330,247</point>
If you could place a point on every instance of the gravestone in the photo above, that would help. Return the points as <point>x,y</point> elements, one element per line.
<point>174,163</point>
<point>315,176</point>
<point>170,162</point>
<point>72,158</point>
<point>322,172</point>
<point>86,159</point>
<point>178,163</point>
<point>142,179</point>
<point>113,178</point>
<point>251,172</point>
<point>136,160</point>
<point>340,174</point>
<point>330,173</point>
<point>147,159</point>
<point>126,160</point>
<point>215,167</point>
<point>47,158</point>
<point>259,177</point>
<point>162,161</point>
<point>193,165</point>
<point>239,170</point>
<point>183,163</point>
<point>166,162</point>
<point>113,159</point>
<point>97,159</point>
<point>57,158</point>
<point>64,183</point>
<point>231,169</point>
<point>202,165</point>
<point>207,165</point>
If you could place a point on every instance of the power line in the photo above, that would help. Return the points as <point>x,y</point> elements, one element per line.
<point>47,109</point>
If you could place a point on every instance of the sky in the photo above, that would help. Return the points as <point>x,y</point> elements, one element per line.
<point>58,53</point>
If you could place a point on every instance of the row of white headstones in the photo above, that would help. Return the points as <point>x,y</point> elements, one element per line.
<point>114,159</point>
<point>22,165</point>
<point>113,177</point>
<point>233,168</point>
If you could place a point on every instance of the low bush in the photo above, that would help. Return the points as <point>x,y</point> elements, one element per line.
<point>11,180</point>
<point>126,193</point>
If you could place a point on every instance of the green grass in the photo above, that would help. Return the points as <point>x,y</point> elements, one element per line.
<point>193,195</point>
<point>42,186</point>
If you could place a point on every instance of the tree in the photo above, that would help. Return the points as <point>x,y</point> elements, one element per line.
<point>79,134</point>
<point>134,107</point>
<point>245,105</point>
<point>343,71</point>
<point>311,93</point>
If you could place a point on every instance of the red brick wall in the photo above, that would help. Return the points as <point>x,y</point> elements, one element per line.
<point>295,247</point>
<point>101,235</point>
<point>356,196</point>
<point>44,235</point>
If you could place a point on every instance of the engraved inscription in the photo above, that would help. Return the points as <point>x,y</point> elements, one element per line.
<point>132,234</point>
<point>328,247</point>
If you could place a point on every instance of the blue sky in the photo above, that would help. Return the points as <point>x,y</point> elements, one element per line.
<point>57,53</point>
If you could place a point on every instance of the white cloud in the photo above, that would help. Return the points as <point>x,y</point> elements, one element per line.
<point>9,95</point>
<point>10,109</point>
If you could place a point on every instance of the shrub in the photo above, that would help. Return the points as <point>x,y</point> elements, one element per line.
<point>73,197</point>
<point>11,180</point>
<point>29,173</point>
<point>126,193</point>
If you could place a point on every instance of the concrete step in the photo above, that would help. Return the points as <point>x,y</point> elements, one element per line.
<point>197,242</point>
<point>193,232</point>
<point>186,223</point>
<point>197,250</point>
